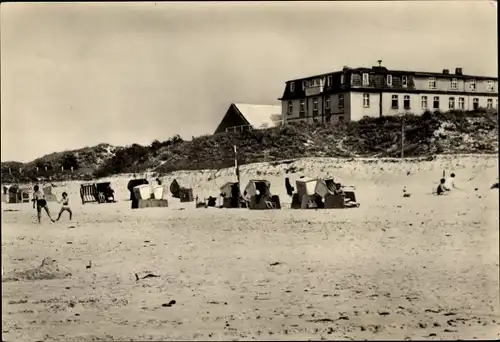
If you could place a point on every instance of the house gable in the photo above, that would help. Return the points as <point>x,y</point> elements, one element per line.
<point>232,118</point>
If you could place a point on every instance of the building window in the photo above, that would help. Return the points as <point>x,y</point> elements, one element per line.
<point>315,104</point>
<point>302,107</point>
<point>341,118</point>
<point>432,83</point>
<point>406,101</point>
<point>341,101</point>
<point>435,103</point>
<point>451,103</point>
<point>366,100</point>
<point>472,85</point>
<point>327,102</point>
<point>366,79</point>
<point>489,103</point>
<point>475,103</point>
<point>404,81</point>
<point>461,103</point>
<point>454,84</point>
<point>395,103</point>
<point>491,86</point>
<point>290,107</point>
<point>389,80</point>
<point>329,81</point>
<point>304,85</point>
<point>423,102</point>
<point>342,79</point>
<point>292,87</point>
<point>496,105</point>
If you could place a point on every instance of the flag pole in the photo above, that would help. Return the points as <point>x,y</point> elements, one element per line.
<point>237,169</point>
<point>403,136</point>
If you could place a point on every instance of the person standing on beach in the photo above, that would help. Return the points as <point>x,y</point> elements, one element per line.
<point>41,203</point>
<point>65,206</point>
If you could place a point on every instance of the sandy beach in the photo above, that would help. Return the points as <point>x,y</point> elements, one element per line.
<point>422,267</point>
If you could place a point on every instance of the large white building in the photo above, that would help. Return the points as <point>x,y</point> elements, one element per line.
<point>352,93</point>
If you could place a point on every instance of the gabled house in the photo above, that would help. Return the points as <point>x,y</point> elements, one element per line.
<point>240,117</point>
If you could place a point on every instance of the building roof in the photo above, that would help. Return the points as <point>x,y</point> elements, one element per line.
<point>260,116</point>
<point>409,72</point>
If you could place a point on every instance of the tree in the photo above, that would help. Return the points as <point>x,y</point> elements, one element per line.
<point>176,139</point>
<point>156,145</point>
<point>69,160</point>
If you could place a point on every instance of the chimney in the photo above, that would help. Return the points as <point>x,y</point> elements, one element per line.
<point>379,62</point>
<point>345,67</point>
<point>446,71</point>
<point>458,71</point>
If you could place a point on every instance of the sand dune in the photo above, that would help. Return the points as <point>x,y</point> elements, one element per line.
<point>400,268</point>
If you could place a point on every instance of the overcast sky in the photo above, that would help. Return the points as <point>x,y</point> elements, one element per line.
<point>75,75</point>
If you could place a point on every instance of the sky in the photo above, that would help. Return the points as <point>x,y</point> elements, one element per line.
<point>80,74</point>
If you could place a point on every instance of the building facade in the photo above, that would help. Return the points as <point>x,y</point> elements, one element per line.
<point>354,93</point>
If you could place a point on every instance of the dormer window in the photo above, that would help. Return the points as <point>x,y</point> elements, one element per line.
<point>404,81</point>
<point>491,86</point>
<point>432,83</point>
<point>389,80</point>
<point>472,85</point>
<point>316,82</point>
<point>454,84</point>
<point>292,87</point>
<point>366,79</point>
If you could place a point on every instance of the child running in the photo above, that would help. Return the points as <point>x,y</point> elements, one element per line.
<point>41,203</point>
<point>65,206</point>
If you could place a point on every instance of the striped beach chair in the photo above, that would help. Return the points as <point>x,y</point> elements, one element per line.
<point>88,193</point>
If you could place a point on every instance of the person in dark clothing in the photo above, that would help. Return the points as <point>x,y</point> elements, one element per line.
<point>235,196</point>
<point>211,202</point>
<point>41,203</point>
<point>441,189</point>
<point>289,187</point>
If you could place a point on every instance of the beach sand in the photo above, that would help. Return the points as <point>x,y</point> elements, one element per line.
<point>422,267</point>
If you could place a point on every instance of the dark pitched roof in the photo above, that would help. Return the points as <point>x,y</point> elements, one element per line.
<point>388,71</point>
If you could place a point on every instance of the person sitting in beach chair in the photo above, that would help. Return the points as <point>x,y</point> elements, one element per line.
<point>338,189</point>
